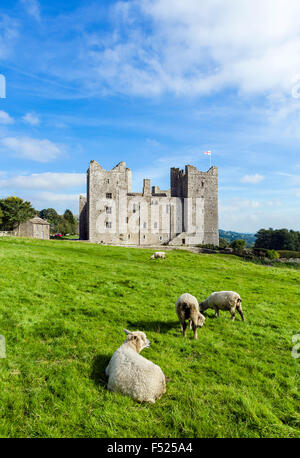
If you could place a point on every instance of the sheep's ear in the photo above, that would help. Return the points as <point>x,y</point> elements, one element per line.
<point>126,332</point>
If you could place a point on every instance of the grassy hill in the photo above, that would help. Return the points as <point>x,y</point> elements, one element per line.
<point>62,311</point>
<point>230,236</point>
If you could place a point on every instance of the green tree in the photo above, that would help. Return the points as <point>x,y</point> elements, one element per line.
<point>15,211</point>
<point>52,217</point>
<point>69,217</point>
<point>278,239</point>
<point>1,216</point>
<point>63,226</point>
<point>238,245</point>
<point>223,243</point>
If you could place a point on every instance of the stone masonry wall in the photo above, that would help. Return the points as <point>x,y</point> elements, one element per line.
<point>185,214</point>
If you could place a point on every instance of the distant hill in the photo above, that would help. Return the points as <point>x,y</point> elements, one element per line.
<point>229,236</point>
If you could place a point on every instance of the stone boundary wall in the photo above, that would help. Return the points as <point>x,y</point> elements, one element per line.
<point>6,234</point>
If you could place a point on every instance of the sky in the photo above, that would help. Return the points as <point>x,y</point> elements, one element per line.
<point>154,83</point>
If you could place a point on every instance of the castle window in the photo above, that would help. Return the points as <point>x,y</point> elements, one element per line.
<point>108,224</point>
<point>108,210</point>
<point>134,208</point>
<point>144,236</point>
<point>107,181</point>
<point>108,195</point>
<point>202,184</point>
<point>127,219</point>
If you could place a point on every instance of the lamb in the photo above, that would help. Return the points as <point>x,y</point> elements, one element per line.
<point>133,375</point>
<point>224,300</point>
<point>187,308</point>
<point>159,254</point>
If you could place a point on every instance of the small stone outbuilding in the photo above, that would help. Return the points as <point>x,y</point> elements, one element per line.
<point>36,228</point>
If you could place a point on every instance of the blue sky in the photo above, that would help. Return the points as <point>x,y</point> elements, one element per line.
<point>154,83</point>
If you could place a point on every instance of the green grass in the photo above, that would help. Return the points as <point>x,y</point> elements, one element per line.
<point>63,309</point>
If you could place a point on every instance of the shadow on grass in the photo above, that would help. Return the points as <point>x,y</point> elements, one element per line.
<point>162,327</point>
<point>98,369</point>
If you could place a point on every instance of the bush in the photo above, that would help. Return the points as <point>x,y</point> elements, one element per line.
<point>272,254</point>
<point>209,246</point>
<point>238,245</point>
<point>223,243</point>
<point>288,254</point>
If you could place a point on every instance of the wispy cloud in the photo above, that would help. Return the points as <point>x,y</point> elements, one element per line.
<point>5,118</point>
<point>33,8</point>
<point>31,118</point>
<point>31,148</point>
<point>44,181</point>
<point>252,179</point>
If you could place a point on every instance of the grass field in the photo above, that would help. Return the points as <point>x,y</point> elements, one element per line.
<point>63,309</point>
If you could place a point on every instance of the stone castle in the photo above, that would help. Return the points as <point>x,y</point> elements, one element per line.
<point>185,214</point>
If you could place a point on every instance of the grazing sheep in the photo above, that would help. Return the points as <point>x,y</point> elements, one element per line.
<point>131,374</point>
<point>159,254</point>
<point>224,300</point>
<point>187,308</point>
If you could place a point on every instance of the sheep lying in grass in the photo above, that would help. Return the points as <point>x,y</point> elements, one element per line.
<point>187,308</point>
<point>224,300</point>
<point>159,254</point>
<point>131,374</point>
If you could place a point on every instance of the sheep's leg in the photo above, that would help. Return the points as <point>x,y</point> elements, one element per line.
<point>183,328</point>
<point>217,312</point>
<point>232,311</point>
<point>239,309</point>
<point>190,324</point>
<point>195,330</point>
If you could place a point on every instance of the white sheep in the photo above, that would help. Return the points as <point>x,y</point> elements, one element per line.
<point>133,375</point>
<point>224,300</point>
<point>187,308</point>
<point>159,254</point>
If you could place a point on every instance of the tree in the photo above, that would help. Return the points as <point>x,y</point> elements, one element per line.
<point>63,226</point>
<point>52,217</point>
<point>68,216</point>
<point>223,243</point>
<point>278,239</point>
<point>15,211</point>
<point>238,245</point>
<point>1,216</point>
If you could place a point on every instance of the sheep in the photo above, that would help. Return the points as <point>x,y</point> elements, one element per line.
<point>159,254</point>
<point>133,375</point>
<point>187,308</point>
<point>224,300</point>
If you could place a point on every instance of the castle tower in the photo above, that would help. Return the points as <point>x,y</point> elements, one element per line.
<point>199,191</point>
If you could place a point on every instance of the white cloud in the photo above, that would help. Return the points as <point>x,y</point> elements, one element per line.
<point>55,197</point>
<point>42,181</point>
<point>33,8</point>
<point>5,118</point>
<point>31,119</point>
<point>8,35</point>
<point>31,148</point>
<point>252,179</point>
<point>194,47</point>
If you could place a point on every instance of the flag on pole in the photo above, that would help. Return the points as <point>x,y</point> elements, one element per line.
<point>209,154</point>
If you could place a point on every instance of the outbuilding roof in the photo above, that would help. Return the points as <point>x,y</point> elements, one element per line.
<point>37,220</point>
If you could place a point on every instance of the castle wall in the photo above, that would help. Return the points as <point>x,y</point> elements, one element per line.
<point>185,214</point>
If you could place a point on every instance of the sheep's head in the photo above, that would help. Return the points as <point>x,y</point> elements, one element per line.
<point>137,340</point>
<point>201,319</point>
<point>203,306</point>
<point>152,257</point>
